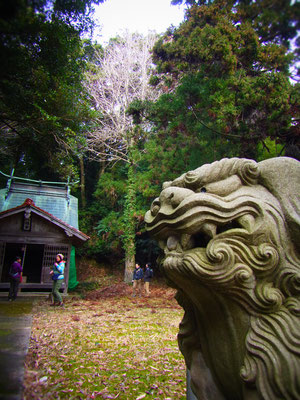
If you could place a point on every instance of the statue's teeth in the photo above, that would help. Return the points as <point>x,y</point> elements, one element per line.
<point>172,242</point>
<point>209,229</point>
<point>247,222</point>
<point>186,241</point>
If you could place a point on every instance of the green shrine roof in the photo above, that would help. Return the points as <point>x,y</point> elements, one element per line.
<point>51,197</point>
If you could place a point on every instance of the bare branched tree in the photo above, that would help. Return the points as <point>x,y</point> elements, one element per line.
<point>120,75</point>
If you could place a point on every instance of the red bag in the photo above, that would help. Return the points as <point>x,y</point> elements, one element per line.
<point>21,279</point>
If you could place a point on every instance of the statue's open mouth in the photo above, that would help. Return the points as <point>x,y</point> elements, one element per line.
<point>177,244</point>
<point>193,221</point>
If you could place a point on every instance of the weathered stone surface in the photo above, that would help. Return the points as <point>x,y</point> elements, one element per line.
<point>230,235</point>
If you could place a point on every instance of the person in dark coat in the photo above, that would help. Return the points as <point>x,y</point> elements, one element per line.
<point>15,274</point>
<point>147,278</point>
<point>138,275</point>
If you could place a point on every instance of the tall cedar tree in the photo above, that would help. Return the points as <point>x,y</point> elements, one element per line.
<point>226,71</point>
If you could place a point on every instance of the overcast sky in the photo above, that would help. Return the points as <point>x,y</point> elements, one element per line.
<point>115,16</point>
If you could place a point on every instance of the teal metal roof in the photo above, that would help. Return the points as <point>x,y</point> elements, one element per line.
<point>54,199</point>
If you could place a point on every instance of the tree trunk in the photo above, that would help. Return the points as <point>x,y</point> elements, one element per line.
<point>82,182</point>
<point>129,266</point>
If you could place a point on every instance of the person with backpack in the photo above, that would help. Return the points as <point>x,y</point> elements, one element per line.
<point>138,275</point>
<point>147,278</point>
<point>57,274</point>
<point>15,274</point>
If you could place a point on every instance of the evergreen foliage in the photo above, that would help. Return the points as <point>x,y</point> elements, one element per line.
<point>225,74</point>
<point>42,104</point>
<point>226,71</point>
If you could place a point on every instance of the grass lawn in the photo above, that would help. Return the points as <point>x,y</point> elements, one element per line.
<point>107,345</point>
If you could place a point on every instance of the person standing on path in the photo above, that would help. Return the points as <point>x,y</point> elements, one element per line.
<point>57,273</point>
<point>15,274</point>
<point>137,280</point>
<point>147,278</point>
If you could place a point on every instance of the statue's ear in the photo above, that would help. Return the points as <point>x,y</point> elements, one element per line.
<point>166,184</point>
<point>281,176</point>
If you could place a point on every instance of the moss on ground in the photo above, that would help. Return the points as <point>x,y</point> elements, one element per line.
<point>113,347</point>
<point>15,308</point>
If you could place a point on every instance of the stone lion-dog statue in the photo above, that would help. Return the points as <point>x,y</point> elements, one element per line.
<point>230,235</point>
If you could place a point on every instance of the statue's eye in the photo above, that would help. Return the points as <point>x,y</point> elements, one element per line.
<point>203,190</point>
<point>175,200</point>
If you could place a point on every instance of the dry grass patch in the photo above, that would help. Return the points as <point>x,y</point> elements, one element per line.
<point>107,346</point>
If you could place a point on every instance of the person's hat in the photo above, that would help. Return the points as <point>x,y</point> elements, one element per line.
<point>60,256</point>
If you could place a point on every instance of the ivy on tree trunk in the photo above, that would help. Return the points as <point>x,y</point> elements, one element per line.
<point>129,225</point>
